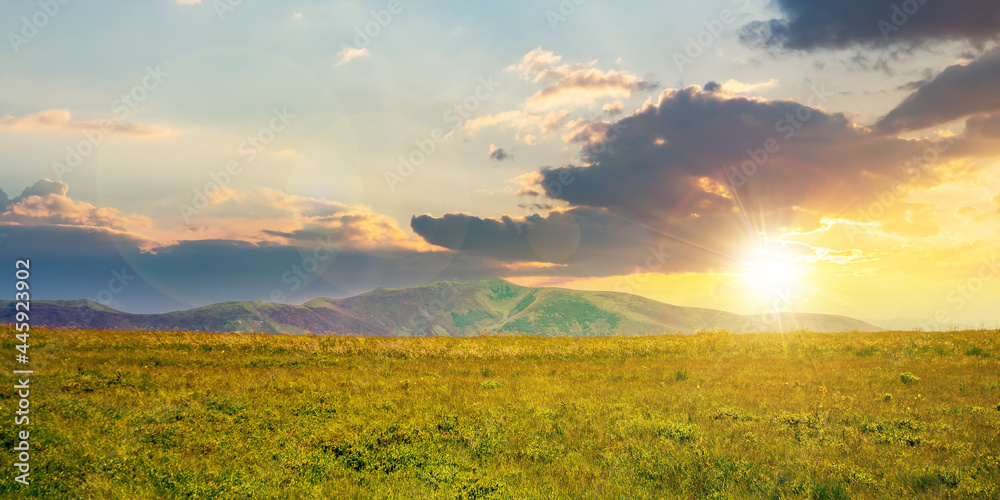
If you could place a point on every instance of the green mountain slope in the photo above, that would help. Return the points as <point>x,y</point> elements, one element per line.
<point>448,308</point>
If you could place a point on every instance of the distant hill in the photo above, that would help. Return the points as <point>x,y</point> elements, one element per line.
<point>443,308</point>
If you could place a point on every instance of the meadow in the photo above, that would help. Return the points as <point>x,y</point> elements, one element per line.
<point>135,415</point>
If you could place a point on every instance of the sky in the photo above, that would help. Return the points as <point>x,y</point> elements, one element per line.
<point>752,156</point>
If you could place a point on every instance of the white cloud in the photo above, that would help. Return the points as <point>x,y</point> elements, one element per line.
<point>574,84</point>
<point>62,119</point>
<point>737,87</point>
<point>350,53</point>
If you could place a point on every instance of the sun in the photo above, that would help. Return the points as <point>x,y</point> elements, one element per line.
<point>771,273</point>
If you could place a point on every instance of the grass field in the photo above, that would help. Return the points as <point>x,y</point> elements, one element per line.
<point>803,415</point>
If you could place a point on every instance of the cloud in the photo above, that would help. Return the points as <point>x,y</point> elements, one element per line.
<point>62,120</point>
<point>498,154</point>
<point>583,241</point>
<point>264,215</point>
<point>709,176</point>
<point>199,272</point>
<point>188,2</point>
<point>613,108</point>
<point>268,214</point>
<point>46,203</point>
<point>957,92</point>
<point>734,87</point>
<point>659,153</point>
<point>43,187</point>
<point>349,54</point>
<point>810,25</point>
<point>359,249</point>
<point>545,123</point>
<point>983,126</point>
<point>571,85</point>
<point>556,237</point>
<point>570,88</point>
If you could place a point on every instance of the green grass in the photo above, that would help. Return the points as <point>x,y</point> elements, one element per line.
<point>803,415</point>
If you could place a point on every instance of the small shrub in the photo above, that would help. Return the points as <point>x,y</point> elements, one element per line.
<point>866,351</point>
<point>830,491</point>
<point>490,384</point>
<point>888,397</point>
<point>658,427</point>
<point>977,351</point>
<point>733,414</point>
<point>681,375</point>
<point>909,378</point>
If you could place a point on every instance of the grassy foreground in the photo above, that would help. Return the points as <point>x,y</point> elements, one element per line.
<point>804,415</point>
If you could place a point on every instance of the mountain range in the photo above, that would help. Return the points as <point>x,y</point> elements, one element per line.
<point>443,308</point>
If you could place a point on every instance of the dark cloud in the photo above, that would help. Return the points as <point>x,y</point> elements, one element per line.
<point>911,86</point>
<point>72,262</point>
<point>614,108</point>
<point>956,92</point>
<point>43,188</point>
<point>580,241</point>
<point>701,174</point>
<point>499,154</point>
<point>867,62</point>
<point>980,138</point>
<point>809,24</point>
<point>658,157</point>
<point>505,238</point>
<point>983,126</point>
<point>537,207</point>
